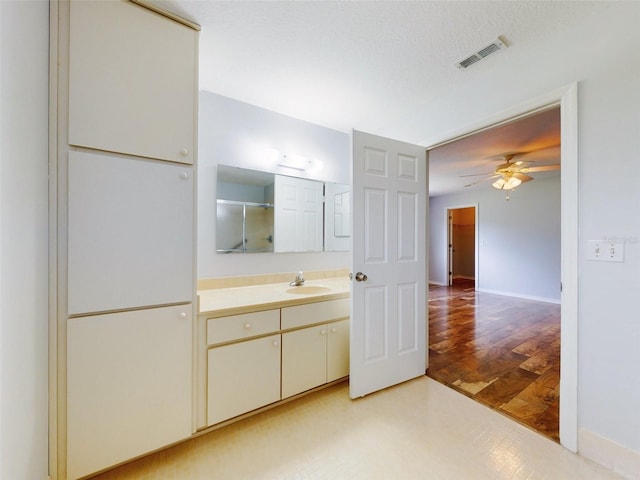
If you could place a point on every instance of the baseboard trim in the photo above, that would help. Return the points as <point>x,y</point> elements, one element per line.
<point>440,284</point>
<point>607,453</point>
<point>463,277</point>
<point>520,295</point>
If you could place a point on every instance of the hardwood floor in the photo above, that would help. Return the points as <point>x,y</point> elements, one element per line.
<point>503,352</point>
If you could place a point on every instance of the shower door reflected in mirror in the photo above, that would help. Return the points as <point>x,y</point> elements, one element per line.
<point>244,219</point>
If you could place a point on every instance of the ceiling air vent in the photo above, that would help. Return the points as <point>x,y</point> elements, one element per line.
<point>484,52</point>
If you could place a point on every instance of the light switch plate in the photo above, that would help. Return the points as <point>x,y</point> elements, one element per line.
<point>605,251</point>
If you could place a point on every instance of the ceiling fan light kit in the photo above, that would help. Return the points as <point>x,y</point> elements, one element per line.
<point>511,174</point>
<point>507,183</point>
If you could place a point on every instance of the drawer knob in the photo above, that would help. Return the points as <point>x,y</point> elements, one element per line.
<point>247,326</point>
<point>275,343</point>
<point>183,315</point>
<point>334,329</point>
<point>184,152</point>
<point>323,332</point>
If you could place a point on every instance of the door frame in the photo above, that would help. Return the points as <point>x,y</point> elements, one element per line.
<point>475,241</point>
<point>566,98</point>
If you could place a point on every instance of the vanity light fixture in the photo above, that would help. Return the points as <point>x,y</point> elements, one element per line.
<point>294,161</point>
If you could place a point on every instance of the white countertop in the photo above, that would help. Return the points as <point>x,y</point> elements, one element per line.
<point>232,301</point>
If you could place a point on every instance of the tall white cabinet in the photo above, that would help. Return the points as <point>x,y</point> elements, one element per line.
<point>124,242</point>
<point>131,80</point>
<point>129,385</point>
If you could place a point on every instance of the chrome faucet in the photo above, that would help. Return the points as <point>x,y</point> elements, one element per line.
<point>299,280</point>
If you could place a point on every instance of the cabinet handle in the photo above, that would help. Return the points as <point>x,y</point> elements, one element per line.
<point>247,326</point>
<point>275,343</point>
<point>184,152</point>
<point>184,175</point>
<point>183,315</point>
<point>334,329</point>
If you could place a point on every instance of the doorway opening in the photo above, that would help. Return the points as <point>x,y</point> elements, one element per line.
<point>498,340</point>
<point>462,238</point>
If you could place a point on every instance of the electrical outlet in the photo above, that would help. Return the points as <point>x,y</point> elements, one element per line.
<point>605,251</point>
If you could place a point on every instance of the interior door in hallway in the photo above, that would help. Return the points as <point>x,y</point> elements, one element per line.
<point>388,295</point>
<point>461,248</point>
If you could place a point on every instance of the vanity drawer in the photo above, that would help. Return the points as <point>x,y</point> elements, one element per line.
<point>238,327</point>
<point>310,313</point>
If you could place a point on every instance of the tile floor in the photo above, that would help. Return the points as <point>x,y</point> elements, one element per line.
<point>416,430</point>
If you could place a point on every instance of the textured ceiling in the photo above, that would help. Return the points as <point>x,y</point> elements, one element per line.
<point>358,65</point>
<point>371,66</point>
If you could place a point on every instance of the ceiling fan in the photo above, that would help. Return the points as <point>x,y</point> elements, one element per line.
<point>510,174</point>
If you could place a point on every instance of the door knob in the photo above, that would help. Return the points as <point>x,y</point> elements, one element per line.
<point>361,277</point>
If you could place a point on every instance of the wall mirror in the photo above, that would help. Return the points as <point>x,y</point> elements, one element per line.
<point>266,212</point>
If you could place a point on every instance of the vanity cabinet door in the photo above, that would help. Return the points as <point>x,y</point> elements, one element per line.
<point>132,81</point>
<point>242,376</point>
<point>314,356</point>
<point>130,233</point>
<point>338,350</point>
<point>304,359</point>
<point>128,385</point>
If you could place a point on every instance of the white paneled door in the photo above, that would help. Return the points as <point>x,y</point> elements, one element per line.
<point>298,215</point>
<point>389,292</point>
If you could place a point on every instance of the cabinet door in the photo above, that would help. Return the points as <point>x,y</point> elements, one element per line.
<point>337,350</point>
<point>132,81</point>
<point>130,233</point>
<point>128,385</point>
<point>304,359</point>
<point>242,377</point>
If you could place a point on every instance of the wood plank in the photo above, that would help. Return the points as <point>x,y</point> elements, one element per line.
<point>501,351</point>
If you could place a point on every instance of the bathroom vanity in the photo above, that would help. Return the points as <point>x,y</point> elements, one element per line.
<point>261,344</point>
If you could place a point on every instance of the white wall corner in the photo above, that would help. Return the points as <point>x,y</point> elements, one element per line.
<point>519,295</point>
<point>607,453</point>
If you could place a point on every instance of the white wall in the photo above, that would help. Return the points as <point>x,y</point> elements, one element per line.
<point>602,54</point>
<point>24,40</point>
<point>237,134</point>
<point>519,240</point>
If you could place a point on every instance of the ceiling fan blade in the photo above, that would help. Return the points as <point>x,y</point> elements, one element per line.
<point>477,174</point>
<point>541,168</point>
<point>522,177</point>
<point>483,180</point>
